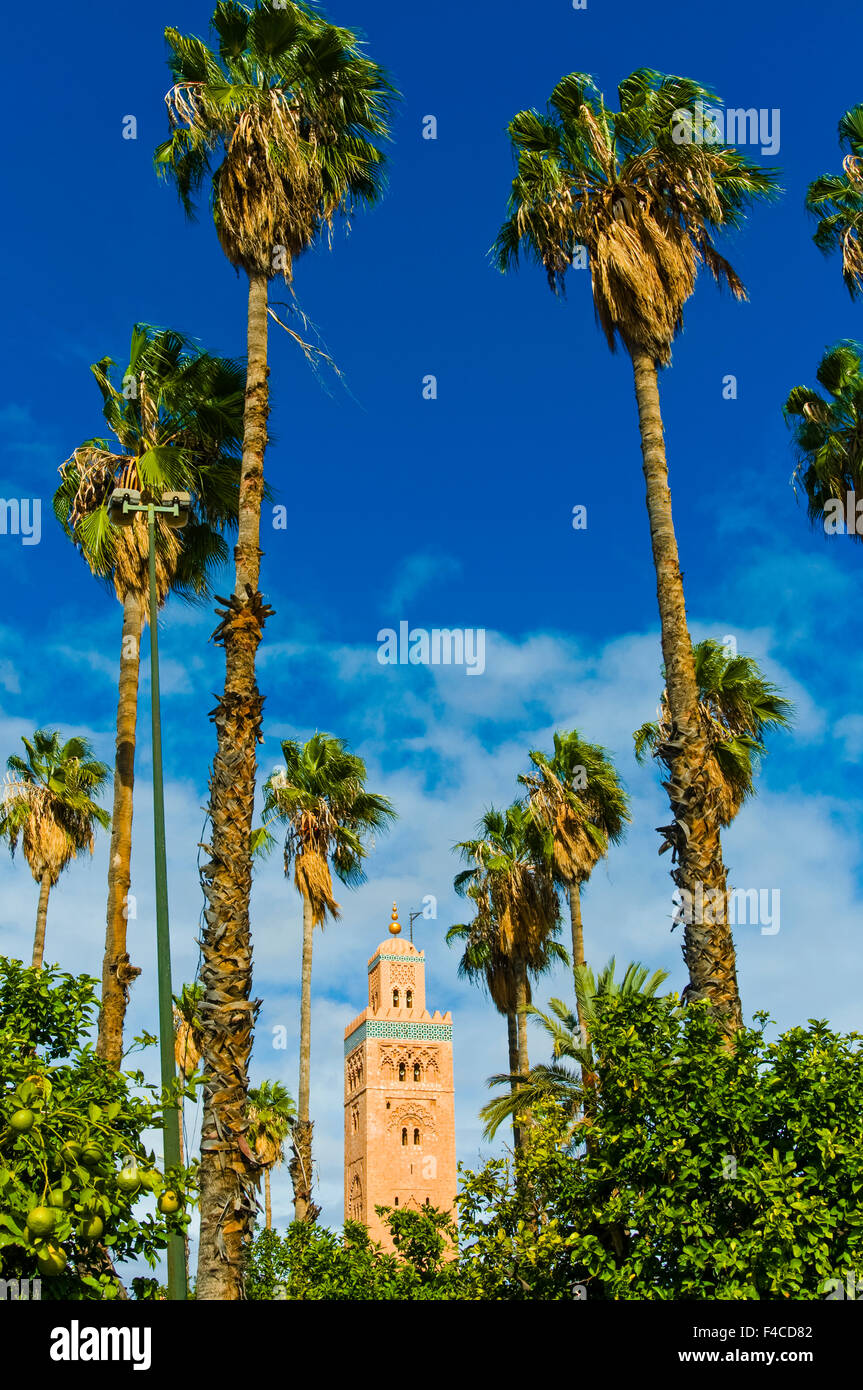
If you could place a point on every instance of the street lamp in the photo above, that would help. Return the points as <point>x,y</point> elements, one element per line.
<point>124,505</point>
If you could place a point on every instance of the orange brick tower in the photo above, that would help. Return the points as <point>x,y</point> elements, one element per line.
<point>399,1112</point>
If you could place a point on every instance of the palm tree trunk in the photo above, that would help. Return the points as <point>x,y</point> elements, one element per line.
<point>512,1039</point>
<point>227,1174</point>
<point>41,920</point>
<point>577,948</point>
<point>523,1064</point>
<point>708,948</point>
<point>301,1163</point>
<point>521,1001</point>
<point>268,1206</point>
<point>109,1043</point>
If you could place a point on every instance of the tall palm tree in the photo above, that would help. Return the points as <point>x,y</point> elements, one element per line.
<point>510,879</point>
<point>738,707</point>
<point>578,797</point>
<point>485,962</point>
<point>48,801</point>
<point>320,799</point>
<point>175,418</point>
<point>837,202</point>
<point>646,207</point>
<point>285,121</point>
<point>570,1035</point>
<point>828,433</point>
<point>272,1114</point>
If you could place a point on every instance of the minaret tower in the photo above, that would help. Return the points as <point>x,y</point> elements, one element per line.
<point>399,1111</point>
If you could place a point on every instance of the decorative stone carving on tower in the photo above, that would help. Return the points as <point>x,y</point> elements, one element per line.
<point>399,1100</point>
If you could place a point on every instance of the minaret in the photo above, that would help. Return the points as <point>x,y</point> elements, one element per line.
<point>399,1111</point>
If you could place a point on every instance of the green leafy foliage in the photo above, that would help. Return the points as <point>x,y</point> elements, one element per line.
<point>311,1262</point>
<point>702,1173</point>
<point>73,1166</point>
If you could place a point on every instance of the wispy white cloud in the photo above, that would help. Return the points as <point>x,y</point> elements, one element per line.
<point>418,573</point>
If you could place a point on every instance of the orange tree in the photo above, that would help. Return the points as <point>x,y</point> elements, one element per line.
<point>73,1166</point>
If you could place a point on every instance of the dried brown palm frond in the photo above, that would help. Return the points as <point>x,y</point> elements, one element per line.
<point>722,796</point>
<point>268,1151</point>
<point>503,984</point>
<point>187,1052</point>
<point>47,845</point>
<point>131,569</point>
<point>314,881</point>
<point>268,192</point>
<point>576,852</point>
<point>643,273</point>
<point>98,474</point>
<point>523,901</point>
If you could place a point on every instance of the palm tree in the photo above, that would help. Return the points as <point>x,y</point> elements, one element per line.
<point>828,434</point>
<point>320,799</point>
<point>175,417</point>
<point>738,707</point>
<point>645,205</point>
<point>272,1114</point>
<point>283,121</point>
<point>484,961</point>
<point>837,202</point>
<point>570,1035</point>
<point>578,797</point>
<point>48,800</point>
<point>511,882</point>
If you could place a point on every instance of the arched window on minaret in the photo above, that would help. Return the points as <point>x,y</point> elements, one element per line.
<point>416,1136</point>
<point>401,1071</point>
<point>417,1072</point>
<point>395,998</point>
<point>409,999</point>
<point>404,1138</point>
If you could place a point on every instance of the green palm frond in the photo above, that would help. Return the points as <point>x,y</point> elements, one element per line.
<point>579,801</point>
<point>566,1081</point>
<point>739,707</point>
<point>827,429</point>
<point>176,416</point>
<point>836,200</point>
<point>49,801</point>
<point>288,95</point>
<point>645,208</point>
<point>320,800</point>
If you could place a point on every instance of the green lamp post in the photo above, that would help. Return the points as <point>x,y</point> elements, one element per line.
<point>124,505</point>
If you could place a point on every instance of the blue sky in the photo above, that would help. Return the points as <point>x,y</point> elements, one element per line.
<point>451,512</point>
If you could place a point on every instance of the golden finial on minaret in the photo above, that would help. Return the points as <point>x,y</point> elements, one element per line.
<point>395,924</point>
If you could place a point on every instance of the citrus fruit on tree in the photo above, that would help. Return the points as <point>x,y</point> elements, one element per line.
<point>51,1258</point>
<point>58,1198</point>
<point>41,1221</point>
<point>169,1202</point>
<point>91,1228</point>
<point>22,1120</point>
<point>92,1155</point>
<point>71,1152</point>
<point>128,1180</point>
